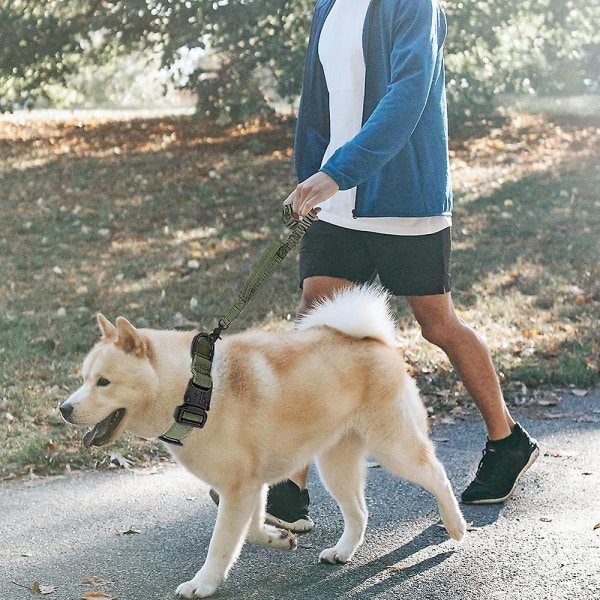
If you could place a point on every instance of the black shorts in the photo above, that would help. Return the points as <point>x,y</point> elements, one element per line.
<point>406,265</point>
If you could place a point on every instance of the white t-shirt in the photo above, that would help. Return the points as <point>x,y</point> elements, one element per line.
<point>342,58</point>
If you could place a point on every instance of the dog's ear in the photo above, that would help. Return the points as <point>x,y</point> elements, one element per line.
<point>106,327</point>
<point>129,339</point>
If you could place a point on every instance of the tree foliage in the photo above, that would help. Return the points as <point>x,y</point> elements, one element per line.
<point>520,46</point>
<point>235,54</point>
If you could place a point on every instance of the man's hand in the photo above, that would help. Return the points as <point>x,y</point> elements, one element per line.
<point>311,192</point>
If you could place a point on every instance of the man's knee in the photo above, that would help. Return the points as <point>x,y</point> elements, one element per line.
<point>445,332</point>
<point>434,333</point>
<point>315,289</point>
<point>437,318</point>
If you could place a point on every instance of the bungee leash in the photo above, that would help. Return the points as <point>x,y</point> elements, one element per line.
<point>193,413</point>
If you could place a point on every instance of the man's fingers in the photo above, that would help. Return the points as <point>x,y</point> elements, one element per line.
<point>311,192</point>
<point>307,205</point>
<point>290,198</point>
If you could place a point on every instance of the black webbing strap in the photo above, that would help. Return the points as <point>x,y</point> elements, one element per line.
<point>196,401</point>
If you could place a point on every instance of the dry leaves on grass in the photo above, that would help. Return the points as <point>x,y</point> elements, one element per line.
<point>159,219</point>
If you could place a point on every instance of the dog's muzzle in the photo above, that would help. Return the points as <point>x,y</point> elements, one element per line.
<point>66,410</point>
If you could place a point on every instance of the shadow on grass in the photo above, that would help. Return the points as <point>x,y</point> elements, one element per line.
<point>528,254</point>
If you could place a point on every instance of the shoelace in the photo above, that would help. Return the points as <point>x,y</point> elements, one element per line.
<point>488,451</point>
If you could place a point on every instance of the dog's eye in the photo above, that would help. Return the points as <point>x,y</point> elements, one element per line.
<point>102,382</point>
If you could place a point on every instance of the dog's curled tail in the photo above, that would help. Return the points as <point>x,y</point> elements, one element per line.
<point>360,311</point>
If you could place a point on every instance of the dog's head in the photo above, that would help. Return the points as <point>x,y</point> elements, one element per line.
<point>118,382</point>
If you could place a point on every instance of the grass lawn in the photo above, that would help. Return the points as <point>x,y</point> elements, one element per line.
<point>160,220</point>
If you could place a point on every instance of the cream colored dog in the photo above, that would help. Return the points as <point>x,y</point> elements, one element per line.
<point>334,390</point>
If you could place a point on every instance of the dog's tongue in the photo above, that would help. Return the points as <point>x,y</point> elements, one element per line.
<point>100,433</point>
<point>93,437</point>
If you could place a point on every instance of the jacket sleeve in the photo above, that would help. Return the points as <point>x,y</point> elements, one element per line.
<point>415,52</point>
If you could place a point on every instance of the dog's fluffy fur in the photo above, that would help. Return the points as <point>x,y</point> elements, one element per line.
<point>334,390</point>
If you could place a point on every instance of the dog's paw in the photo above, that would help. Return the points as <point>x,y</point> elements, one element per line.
<point>281,539</point>
<point>192,589</point>
<point>273,537</point>
<point>457,528</point>
<point>335,556</point>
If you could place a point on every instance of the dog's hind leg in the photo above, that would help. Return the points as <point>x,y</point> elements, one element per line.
<point>406,451</point>
<point>267,535</point>
<point>233,520</point>
<point>342,471</point>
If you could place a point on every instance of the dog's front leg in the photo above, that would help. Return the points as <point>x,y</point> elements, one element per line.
<point>233,519</point>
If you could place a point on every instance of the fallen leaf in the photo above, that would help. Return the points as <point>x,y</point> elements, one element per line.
<point>443,372</point>
<point>593,364</point>
<point>94,580</point>
<point>552,402</point>
<point>559,453</point>
<point>91,595</point>
<point>397,568</point>
<point>43,590</point>
<point>556,415</point>
<point>119,459</point>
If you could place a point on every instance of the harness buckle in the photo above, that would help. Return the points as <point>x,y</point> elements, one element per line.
<point>196,403</point>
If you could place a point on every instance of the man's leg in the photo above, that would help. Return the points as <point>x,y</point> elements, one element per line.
<point>313,290</point>
<point>509,451</point>
<point>468,354</point>
<point>288,501</point>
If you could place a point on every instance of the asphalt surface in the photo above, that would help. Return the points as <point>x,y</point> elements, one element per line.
<point>136,535</point>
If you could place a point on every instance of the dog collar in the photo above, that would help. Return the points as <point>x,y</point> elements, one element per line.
<point>196,400</point>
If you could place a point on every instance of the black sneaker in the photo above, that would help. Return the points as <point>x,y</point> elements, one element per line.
<point>502,466</point>
<point>287,507</point>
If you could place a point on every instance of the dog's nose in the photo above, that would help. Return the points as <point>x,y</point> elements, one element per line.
<point>66,409</point>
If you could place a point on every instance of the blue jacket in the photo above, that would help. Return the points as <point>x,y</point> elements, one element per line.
<point>399,160</point>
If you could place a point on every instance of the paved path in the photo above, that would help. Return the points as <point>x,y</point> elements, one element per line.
<point>142,534</point>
